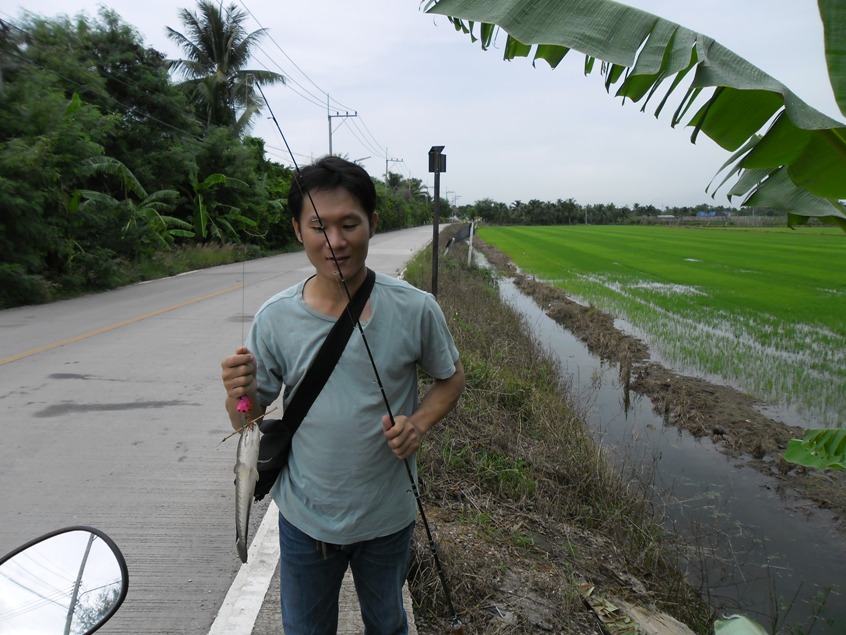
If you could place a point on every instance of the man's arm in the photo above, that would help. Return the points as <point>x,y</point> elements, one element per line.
<point>405,435</point>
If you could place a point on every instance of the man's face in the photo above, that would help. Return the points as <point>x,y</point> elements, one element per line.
<point>346,228</point>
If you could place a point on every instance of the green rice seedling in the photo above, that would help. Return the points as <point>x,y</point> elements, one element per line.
<point>759,310</point>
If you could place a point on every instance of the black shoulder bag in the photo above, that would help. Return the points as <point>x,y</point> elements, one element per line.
<point>277,434</point>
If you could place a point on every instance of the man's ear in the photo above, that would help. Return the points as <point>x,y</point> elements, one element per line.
<point>296,225</point>
<point>374,220</point>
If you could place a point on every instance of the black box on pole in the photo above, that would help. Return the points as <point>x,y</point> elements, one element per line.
<point>437,161</point>
<point>437,164</point>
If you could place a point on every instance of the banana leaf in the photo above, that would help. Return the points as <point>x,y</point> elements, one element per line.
<point>822,448</point>
<point>797,154</point>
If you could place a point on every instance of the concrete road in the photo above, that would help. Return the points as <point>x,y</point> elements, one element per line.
<point>112,417</point>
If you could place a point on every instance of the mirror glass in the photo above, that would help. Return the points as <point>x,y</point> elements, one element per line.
<point>69,583</point>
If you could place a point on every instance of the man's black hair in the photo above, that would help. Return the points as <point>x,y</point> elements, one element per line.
<point>330,173</point>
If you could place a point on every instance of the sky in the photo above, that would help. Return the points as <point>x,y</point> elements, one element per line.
<point>510,131</point>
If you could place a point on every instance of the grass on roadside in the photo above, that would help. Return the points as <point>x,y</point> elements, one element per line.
<point>522,501</point>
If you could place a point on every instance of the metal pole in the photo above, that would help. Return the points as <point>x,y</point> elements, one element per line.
<point>470,243</point>
<point>75,593</point>
<point>436,222</point>
<point>437,164</point>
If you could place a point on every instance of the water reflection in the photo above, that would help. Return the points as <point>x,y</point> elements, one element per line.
<point>758,545</point>
<point>797,366</point>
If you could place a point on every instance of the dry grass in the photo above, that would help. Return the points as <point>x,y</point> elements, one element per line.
<point>522,503</point>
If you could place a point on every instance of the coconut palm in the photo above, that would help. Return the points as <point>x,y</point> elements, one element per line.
<point>787,155</point>
<point>217,48</point>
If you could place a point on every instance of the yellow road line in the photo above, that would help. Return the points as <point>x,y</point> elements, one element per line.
<point>117,325</point>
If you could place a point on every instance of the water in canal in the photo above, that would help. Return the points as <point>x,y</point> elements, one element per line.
<point>756,551</point>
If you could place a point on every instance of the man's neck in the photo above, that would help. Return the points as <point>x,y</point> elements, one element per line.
<point>329,296</point>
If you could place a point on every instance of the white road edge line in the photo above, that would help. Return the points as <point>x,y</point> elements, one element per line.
<point>240,608</point>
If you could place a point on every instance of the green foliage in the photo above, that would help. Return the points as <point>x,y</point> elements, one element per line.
<point>98,269</point>
<point>570,212</point>
<point>402,204</point>
<point>18,287</point>
<point>104,160</point>
<point>207,220</point>
<point>819,448</point>
<point>88,115</point>
<point>510,476</point>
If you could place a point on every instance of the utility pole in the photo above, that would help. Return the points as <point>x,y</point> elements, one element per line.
<point>75,593</point>
<point>386,166</point>
<point>437,164</point>
<point>329,116</point>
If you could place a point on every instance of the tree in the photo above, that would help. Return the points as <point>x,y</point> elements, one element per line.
<point>90,614</point>
<point>155,116</point>
<point>147,220</point>
<point>798,164</point>
<point>217,48</point>
<point>211,218</point>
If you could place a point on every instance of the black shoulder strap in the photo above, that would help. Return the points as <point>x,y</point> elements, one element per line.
<point>327,357</point>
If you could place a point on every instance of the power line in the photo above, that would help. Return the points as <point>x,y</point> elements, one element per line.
<point>330,102</point>
<point>305,94</point>
<point>338,104</point>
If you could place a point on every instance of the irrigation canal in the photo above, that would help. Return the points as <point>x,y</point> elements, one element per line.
<point>754,550</point>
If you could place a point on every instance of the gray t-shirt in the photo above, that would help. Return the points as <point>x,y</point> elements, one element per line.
<point>342,483</point>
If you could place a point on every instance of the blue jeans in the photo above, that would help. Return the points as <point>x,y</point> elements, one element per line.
<point>311,573</point>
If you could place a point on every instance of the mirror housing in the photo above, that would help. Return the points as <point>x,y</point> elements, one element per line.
<point>69,581</point>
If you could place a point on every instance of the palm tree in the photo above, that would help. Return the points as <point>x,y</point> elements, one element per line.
<point>786,154</point>
<point>216,48</point>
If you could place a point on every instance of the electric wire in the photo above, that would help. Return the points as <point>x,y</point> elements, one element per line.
<point>339,105</point>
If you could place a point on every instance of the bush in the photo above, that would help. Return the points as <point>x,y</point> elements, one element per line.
<point>18,288</point>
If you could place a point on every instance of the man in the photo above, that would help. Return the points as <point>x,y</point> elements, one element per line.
<point>345,497</point>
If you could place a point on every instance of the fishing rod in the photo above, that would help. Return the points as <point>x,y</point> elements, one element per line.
<point>455,622</point>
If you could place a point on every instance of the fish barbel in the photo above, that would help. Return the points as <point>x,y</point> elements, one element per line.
<point>246,475</point>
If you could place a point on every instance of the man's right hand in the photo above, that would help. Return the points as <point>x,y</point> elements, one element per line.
<point>238,373</point>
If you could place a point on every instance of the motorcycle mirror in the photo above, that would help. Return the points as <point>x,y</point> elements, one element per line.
<point>68,582</point>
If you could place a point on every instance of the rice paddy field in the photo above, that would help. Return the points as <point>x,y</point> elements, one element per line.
<point>763,310</point>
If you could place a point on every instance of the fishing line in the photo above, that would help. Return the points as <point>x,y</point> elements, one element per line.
<point>456,625</point>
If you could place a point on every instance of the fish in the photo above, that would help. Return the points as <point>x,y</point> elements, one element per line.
<point>246,476</point>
